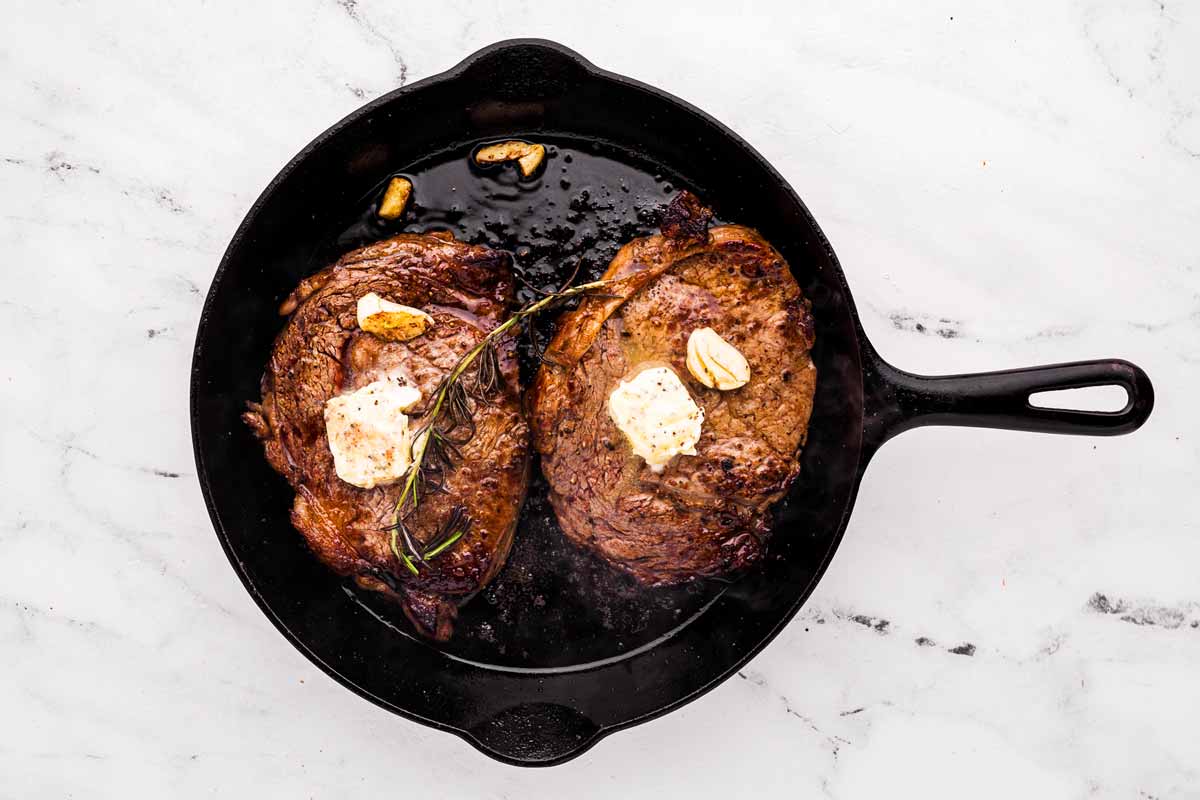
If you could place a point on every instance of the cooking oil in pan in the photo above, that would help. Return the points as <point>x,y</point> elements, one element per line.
<point>553,606</point>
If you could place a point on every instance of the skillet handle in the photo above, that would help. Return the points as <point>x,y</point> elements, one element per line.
<point>898,400</point>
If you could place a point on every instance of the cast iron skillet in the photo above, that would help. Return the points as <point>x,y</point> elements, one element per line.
<point>532,716</point>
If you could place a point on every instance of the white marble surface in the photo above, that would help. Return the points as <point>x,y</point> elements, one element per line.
<point>1023,174</point>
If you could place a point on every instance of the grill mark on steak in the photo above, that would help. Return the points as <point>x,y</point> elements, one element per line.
<point>320,353</point>
<point>705,515</point>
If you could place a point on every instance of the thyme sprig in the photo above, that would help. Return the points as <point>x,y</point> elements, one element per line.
<point>450,424</point>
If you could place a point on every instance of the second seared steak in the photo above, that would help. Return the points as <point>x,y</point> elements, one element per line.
<point>708,514</point>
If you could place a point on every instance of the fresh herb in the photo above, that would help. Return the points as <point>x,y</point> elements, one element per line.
<point>450,424</point>
<point>454,528</point>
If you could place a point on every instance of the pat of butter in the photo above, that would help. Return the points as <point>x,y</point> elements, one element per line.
<point>368,433</point>
<point>656,413</point>
<point>389,320</point>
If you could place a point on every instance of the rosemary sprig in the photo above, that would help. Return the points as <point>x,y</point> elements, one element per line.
<point>450,424</point>
<point>454,528</point>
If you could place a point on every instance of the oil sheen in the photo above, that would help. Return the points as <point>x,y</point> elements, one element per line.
<point>552,606</point>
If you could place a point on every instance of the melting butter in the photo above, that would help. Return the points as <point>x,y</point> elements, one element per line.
<point>657,415</point>
<point>368,432</point>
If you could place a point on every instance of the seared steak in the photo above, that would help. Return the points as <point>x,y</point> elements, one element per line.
<point>708,514</point>
<point>322,353</point>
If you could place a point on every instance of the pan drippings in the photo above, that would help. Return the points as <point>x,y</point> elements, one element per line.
<point>552,606</point>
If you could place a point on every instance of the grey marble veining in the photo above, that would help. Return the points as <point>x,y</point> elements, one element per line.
<point>1009,615</point>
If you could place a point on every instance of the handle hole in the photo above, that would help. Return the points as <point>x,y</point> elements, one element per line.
<point>1110,399</point>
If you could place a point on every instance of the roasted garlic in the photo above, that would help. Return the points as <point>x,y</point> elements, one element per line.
<point>389,320</point>
<point>395,199</point>
<point>528,156</point>
<point>715,362</point>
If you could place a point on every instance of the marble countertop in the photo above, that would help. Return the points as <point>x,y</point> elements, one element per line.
<point>1009,615</point>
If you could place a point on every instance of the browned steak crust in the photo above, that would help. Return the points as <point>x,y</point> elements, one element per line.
<point>321,353</point>
<point>707,514</point>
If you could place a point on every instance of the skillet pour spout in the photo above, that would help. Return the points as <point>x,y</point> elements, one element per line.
<point>529,713</point>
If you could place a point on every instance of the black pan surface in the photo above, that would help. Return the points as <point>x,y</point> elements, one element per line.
<point>560,650</point>
<point>552,606</point>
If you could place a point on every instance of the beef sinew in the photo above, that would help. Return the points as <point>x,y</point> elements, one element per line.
<point>708,514</point>
<point>321,352</point>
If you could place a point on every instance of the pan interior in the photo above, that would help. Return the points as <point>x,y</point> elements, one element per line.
<point>647,652</point>
<point>553,606</point>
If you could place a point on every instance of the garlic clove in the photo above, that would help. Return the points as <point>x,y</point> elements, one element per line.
<point>389,320</point>
<point>715,362</point>
<point>529,163</point>
<point>395,199</point>
<point>528,156</point>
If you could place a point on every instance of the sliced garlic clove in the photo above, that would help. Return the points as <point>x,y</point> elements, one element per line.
<point>695,362</point>
<point>528,156</point>
<point>529,163</point>
<point>389,320</point>
<point>715,362</point>
<point>395,199</point>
